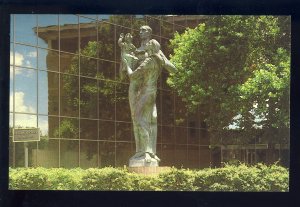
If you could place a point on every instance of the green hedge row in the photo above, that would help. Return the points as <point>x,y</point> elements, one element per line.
<point>229,178</point>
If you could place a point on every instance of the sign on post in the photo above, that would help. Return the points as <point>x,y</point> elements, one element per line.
<point>26,135</point>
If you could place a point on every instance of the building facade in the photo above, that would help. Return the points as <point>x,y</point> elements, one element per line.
<point>65,81</point>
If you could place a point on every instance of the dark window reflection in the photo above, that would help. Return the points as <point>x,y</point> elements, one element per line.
<point>166,29</point>
<point>138,21</point>
<point>204,156</point>
<point>106,70</point>
<point>53,92</point>
<point>53,127</point>
<point>165,47</point>
<point>107,130</point>
<point>168,18</point>
<point>179,29</point>
<point>124,131</point>
<point>167,108</point>
<point>123,20</point>
<point>168,135</point>
<point>122,105</point>
<point>69,153</point>
<point>180,156</point>
<point>180,112</point>
<point>107,153</point>
<point>25,25</point>
<point>123,152</point>
<point>88,32</point>
<point>88,154</point>
<point>193,157</point>
<point>69,33</point>
<point>88,129</point>
<point>69,128</point>
<point>154,23</point>
<point>88,66</point>
<point>69,96</point>
<point>168,155</point>
<point>181,135</point>
<point>106,100</point>
<point>193,136</point>
<point>88,98</point>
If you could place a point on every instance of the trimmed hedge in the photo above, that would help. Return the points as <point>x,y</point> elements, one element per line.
<point>229,178</point>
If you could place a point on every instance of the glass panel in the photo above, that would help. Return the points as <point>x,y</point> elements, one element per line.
<point>107,153</point>
<point>69,63</point>
<point>43,92</point>
<point>204,156</point>
<point>204,137</point>
<point>25,56</point>
<point>159,106</point>
<point>43,126</point>
<point>193,136</point>
<point>69,128</point>
<point>192,21</point>
<point>166,29</point>
<point>88,66</point>
<point>25,90</point>
<point>88,154</point>
<point>159,134</point>
<point>123,153</point>
<point>88,98</point>
<point>11,152</point>
<point>137,22</point>
<point>107,130</point>
<point>180,112</point>
<point>48,153</point>
<point>168,18</point>
<point>120,30</point>
<point>53,124</point>
<point>168,155</point>
<point>167,108</point>
<point>179,29</point>
<point>105,17</point>
<point>69,97</point>
<point>88,129</point>
<point>106,41</point>
<point>69,153</point>
<point>168,135</point>
<point>49,91</point>
<point>124,132</point>
<point>69,35</point>
<point>92,16</point>
<point>216,156</point>
<point>11,90</point>
<point>25,121</point>
<point>25,28</point>
<point>181,135</point>
<point>180,20</point>
<point>122,105</point>
<point>181,156</point>
<point>166,48</point>
<point>154,24</point>
<point>48,31</point>
<point>48,60</point>
<point>106,70</point>
<point>106,100</point>
<point>193,157</point>
<point>123,20</point>
<point>88,36</point>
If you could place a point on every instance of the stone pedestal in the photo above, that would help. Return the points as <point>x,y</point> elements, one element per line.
<point>148,170</point>
<point>142,163</point>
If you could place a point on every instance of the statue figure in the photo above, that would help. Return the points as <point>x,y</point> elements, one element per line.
<point>142,97</point>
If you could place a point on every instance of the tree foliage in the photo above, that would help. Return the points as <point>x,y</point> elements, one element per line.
<point>236,69</point>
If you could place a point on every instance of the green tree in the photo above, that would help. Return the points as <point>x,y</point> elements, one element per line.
<point>236,69</point>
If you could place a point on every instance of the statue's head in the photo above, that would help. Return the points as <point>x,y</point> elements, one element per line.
<point>145,32</point>
<point>128,37</point>
<point>152,47</point>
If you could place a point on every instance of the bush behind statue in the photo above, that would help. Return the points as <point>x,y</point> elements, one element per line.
<point>229,178</point>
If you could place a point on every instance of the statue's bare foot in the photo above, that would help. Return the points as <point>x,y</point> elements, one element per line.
<point>155,157</point>
<point>137,155</point>
<point>147,157</point>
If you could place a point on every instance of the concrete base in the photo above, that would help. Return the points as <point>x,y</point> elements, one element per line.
<point>143,163</point>
<point>148,170</point>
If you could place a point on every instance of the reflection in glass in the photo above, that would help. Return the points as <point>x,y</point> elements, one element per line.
<point>124,131</point>
<point>88,154</point>
<point>107,153</point>
<point>181,135</point>
<point>69,153</point>
<point>137,22</point>
<point>180,112</point>
<point>88,31</point>
<point>167,155</point>
<point>68,128</point>
<point>49,91</point>
<point>106,99</point>
<point>166,29</point>
<point>53,127</point>
<point>181,156</point>
<point>12,32</point>
<point>106,41</point>
<point>69,33</point>
<point>107,130</point>
<point>179,29</point>
<point>122,105</point>
<point>106,70</point>
<point>43,93</point>
<point>204,156</point>
<point>69,96</point>
<point>167,108</point>
<point>123,152</point>
<point>88,129</point>
<point>25,90</point>
<point>48,31</point>
<point>123,20</point>
<point>168,135</point>
<point>193,157</point>
<point>48,60</point>
<point>25,56</point>
<point>69,63</point>
<point>88,97</point>
<point>47,153</point>
<point>88,66</point>
<point>154,23</point>
<point>25,25</point>
<point>25,147</point>
<point>120,30</point>
<point>166,48</point>
<point>43,126</point>
<point>193,136</point>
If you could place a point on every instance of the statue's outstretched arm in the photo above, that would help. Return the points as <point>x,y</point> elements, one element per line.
<point>167,64</point>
